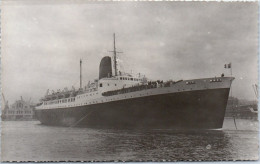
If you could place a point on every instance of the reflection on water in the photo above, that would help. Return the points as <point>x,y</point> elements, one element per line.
<point>30,141</point>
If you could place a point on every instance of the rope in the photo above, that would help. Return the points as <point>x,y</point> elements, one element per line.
<point>80,120</point>
<point>233,100</point>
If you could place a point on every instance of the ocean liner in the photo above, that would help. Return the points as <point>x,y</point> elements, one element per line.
<point>124,100</point>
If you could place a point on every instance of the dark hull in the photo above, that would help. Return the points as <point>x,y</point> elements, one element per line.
<point>204,109</point>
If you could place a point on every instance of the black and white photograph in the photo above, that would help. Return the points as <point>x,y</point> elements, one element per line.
<point>129,81</point>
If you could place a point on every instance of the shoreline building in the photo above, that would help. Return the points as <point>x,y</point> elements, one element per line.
<point>241,108</point>
<point>19,110</point>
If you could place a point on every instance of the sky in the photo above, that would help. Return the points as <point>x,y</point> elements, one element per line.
<point>43,41</point>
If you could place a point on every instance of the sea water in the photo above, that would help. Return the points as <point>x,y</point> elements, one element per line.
<point>31,141</point>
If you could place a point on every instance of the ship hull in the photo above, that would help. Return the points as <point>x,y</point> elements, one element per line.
<point>200,109</point>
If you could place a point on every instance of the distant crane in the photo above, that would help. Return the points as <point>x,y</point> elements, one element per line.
<point>251,108</point>
<point>255,88</point>
<point>47,92</point>
<point>3,98</point>
<point>5,106</point>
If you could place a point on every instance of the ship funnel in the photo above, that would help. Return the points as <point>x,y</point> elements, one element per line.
<point>105,67</point>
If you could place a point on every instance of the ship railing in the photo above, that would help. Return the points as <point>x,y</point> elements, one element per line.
<point>140,88</point>
<point>61,94</point>
<point>88,91</point>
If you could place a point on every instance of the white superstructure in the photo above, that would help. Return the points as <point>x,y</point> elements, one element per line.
<point>94,94</point>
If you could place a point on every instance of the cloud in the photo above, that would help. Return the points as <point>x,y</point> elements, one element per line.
<point>43,41</point>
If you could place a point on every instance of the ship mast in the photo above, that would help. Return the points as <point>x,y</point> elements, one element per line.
<point>115,53</point>
<point>115,62</point>
<point>80,76</point>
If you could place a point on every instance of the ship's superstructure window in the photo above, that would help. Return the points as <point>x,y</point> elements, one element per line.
<point>190,82</point>
<point>100,85</point>
<point>215,80</point>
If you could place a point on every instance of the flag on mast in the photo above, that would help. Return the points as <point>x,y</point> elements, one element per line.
<point>227,65</point>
